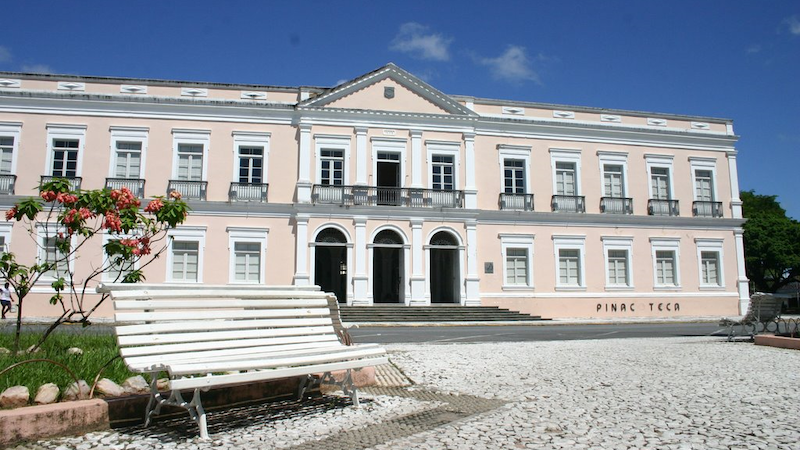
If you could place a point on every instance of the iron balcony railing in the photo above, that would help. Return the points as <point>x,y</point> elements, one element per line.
<point>135,185</point>
<point>248,192</point>
<point>516,202</point>
<point>386,196</point>
<point>7,183</point>
<point>616,205</point>
<point>663,207</point>
<point>568,203</point>
<point>189,190</point>
<point>74,182</point>
<point>707,209</point>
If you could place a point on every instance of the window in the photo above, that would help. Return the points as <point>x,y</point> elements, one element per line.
<point>47,238</point>
<point>5,236</point>
<point>514,176</point>
<point>247,254</point>
<point>128,159</point>
<point>703,182</point>
<point>65,152</point>
<point>251,162</point>
<point>6,154</point>
<point>517,267</point>
<point>618,250</point>
<point>569,252</point>
<point>659,183</point>
<point>185,254</point>
<point>191,150</point>
<point>190,162</point>
<point>251,150</point>
<point>709,258</point>
<point>666,264</point>
<point>517,252</point>
<point>665,268</point>
<point>565,179</point>
<point>9,145</point>
<point>442,175</point>
<point>618,268</point>
<point>612,181</point>
<point>65,158</point>
<point>331,167</point>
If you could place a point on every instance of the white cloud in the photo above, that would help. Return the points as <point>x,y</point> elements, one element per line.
<point>5,54</point>
<point>792,25</point>
<point>513,65</point>
<point>418,41</point>
<point>751,49</point>
<point>36,68</point>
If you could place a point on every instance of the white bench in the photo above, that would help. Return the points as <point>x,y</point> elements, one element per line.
<point>210,336</point>
<point>764,310</point>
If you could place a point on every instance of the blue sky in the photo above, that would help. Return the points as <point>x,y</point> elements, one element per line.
<point>733,59</point>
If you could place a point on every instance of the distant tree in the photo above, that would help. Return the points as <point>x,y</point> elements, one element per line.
<point>771,242</point>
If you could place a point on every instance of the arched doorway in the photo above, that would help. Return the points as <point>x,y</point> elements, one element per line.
<point>330,263</point>
<point>444,269</point>
<point>387,264</point>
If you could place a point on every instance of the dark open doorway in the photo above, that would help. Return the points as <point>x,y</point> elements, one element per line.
<point>387,178</point>
<point>330,265</point>
<point>387,268</point>
<point>444,270</point>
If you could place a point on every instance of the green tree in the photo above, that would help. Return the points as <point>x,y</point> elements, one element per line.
<point>69,219</point>
<point>772,242</point>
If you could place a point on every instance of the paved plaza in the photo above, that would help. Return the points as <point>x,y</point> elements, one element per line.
<point>667,393</point>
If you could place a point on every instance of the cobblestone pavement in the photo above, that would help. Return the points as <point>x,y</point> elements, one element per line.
<point>679,393</point>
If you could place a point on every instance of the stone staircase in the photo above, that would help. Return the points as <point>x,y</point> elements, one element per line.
<point>443,313</point>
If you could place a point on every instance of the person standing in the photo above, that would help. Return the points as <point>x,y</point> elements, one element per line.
<point>5,299</point>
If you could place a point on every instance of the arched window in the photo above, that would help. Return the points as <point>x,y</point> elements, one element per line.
<point>388,237</point>
<point>331,236</point>
<point>445,239</point>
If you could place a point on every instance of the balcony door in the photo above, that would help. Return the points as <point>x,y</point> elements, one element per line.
<point>387,178</point>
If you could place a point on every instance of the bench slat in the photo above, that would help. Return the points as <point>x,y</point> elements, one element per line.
<point>157,340</point>
<point>169,327</point>
<point>230,293</point>
<point>227,303</point>
<point>117,288</point>
<point>218,314</point>
<point>254,340</point>
<point>340,354</point>
<point>247,377</point>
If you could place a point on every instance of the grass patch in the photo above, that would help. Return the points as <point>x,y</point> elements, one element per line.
<point>98,350</point>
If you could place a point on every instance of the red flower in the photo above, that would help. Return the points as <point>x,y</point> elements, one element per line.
<point>175,195</point>
<point>154,206</point>
<point>11,213</point>
<point>48,196</point>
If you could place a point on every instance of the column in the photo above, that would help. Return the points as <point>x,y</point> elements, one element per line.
<point>470,189</point>
<point>304,165</point>
<point>736,202</point>
<point>360,279</point>
<point>417,270</point>
<point>472,280</point>
<point>742,281</point>
<point>416,159</point>
<point>301,277</point>
<point>361,156</point>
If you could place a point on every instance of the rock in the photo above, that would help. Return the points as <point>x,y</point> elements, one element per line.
<point>109,388</point>
<point>77,391</point>
<point>162,384</point>
<point>33,349</point>
<point>47,393</point>
<point>135,385</point>
<point>74,351</point>
<point>4,351</point>
<point>14,397</point>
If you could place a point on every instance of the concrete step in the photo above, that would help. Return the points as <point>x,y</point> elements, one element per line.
<point>435,313</point>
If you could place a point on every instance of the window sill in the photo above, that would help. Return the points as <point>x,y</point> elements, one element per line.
<point>512,287</point>
<point>712,287</point>
<point>619,288</point>
<point>666,288</point>
<point>570,288</point>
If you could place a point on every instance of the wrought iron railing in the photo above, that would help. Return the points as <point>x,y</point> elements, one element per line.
<point>568,203</point>
<point>7,184</point>
<point>135,185</point>
<point>707,209</point>
<point>616,205</point>
<point>74,182</point>
<point>189,190</point>
<point>516,202</point>
<point>248,192</point>
<point>386,196</point>
<point>663,207</point>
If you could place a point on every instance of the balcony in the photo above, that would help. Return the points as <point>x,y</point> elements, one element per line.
<point>707,209</point>
<point>516,202</point>
<point>663,207</point>
<point>7,183</point>
<point>386,196</point>
<point>135,185</point>
<point>616,205</point>
<point>248,192</point>
<point>74,182</point>
<point>568,203</point>
<point>190,190</point>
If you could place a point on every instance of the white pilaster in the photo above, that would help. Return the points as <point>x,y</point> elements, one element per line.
<point>416,159</point>
<point>736,202</point>
<point>742,281</point>
<point>472,280</point>
<point>417,271</point>
<point>360,279</point>
<point>470,188</point>
<point>304,170</point>
<point>361,156</point>
<point>301,277</point>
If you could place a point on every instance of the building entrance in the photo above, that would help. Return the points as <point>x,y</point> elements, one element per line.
<point>444,269</point>
<point>387,268</point>
<point>330,263</point>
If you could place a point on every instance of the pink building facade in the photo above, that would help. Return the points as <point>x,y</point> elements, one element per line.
<point>385,190</point>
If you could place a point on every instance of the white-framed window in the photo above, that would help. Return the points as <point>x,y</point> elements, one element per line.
<point>47,235</point>
<point>515,168</point>
<point>65,150</point>
<point>709,259</point>
<point>659,171</point>
<point>185,254</point>
<point>333,155</point>
<point>117,269</point>
<point>248,251</point>
<point>666,262</point>
<point>251,153</point>
<point>570,254</point>
<point>517,253</point>
<point>614,168</point>
<point>190,154</point>
<point>9,147</point>
<point>443,161</point>
<point>704,176</point>
<point>618,252</point>
<point>5,236</point>
<point>566,166</point>
<point>129,149</point>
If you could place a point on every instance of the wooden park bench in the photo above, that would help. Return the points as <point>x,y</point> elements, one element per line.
<point>211,336</point>
<point>764,309</point>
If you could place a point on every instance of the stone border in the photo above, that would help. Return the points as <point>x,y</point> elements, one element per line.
<point>777,341</point>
